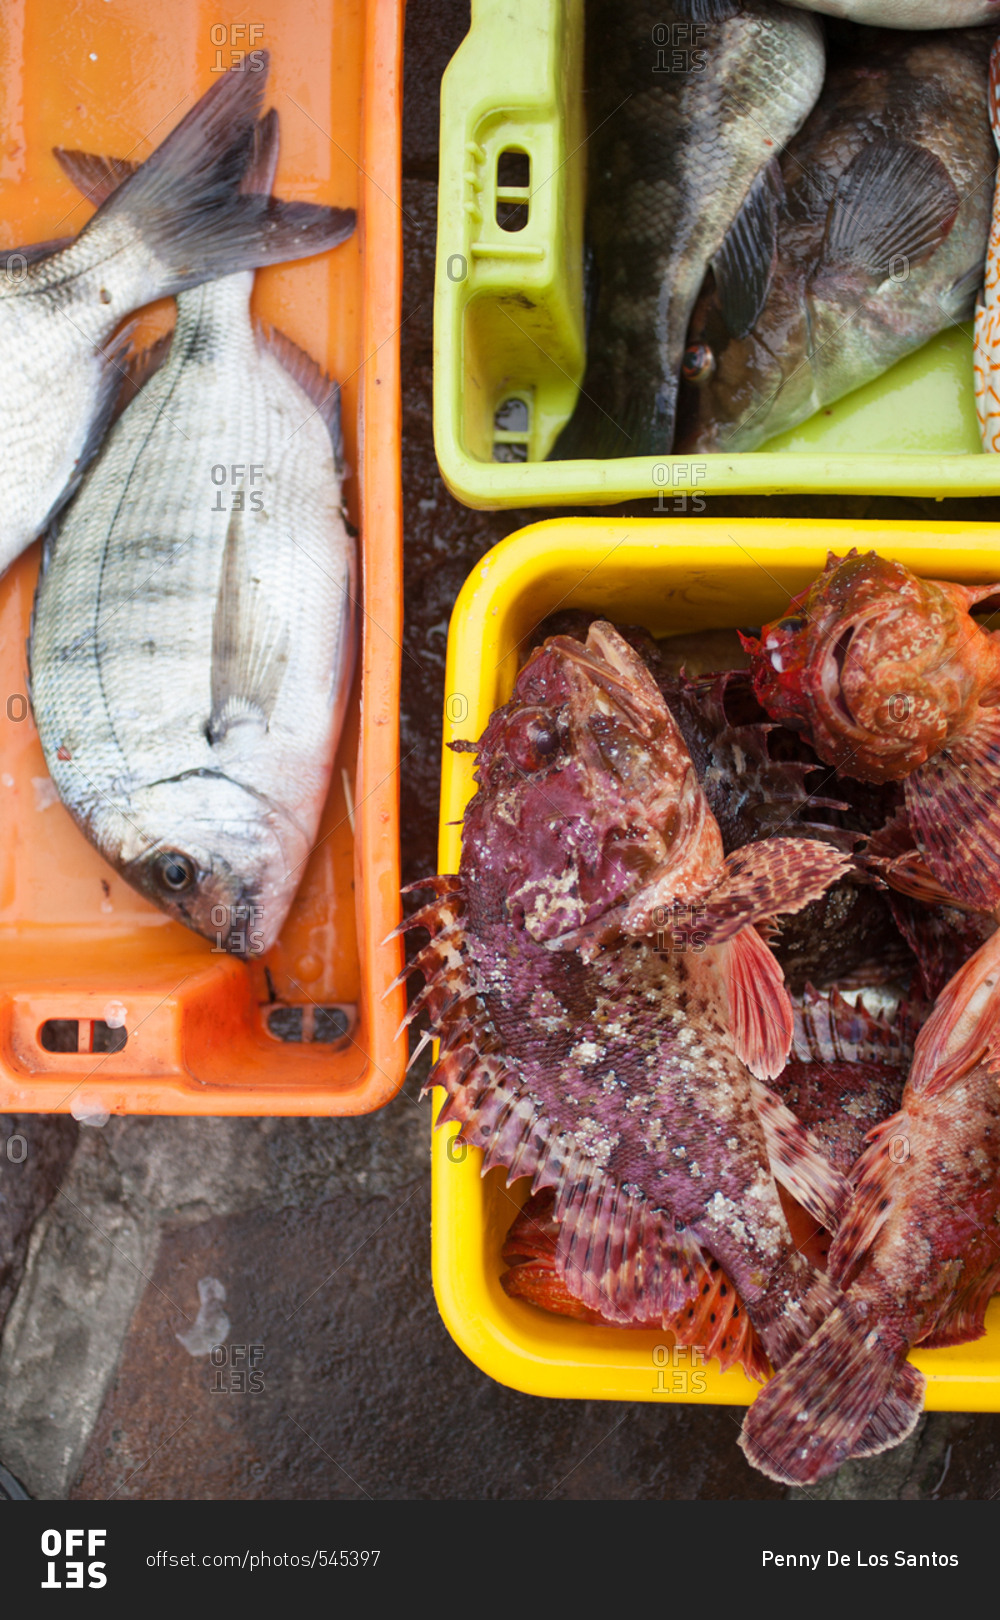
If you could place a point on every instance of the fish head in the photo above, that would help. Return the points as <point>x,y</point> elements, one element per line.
<point>587,796</point>
<point>878,666</point>
<point>216,857</point>
<point>738,389</point>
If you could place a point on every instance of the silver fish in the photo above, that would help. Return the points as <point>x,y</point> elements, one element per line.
<point>907,13</point>
<point>688,103</point>
<point>194,626</point>
<point>178,221</point>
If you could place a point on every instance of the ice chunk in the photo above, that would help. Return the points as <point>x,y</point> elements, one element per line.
<point>211,1325</point>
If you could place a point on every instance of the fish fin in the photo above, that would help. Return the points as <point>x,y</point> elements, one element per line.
<point>896,1415</point>
<point>965,1318</point>
<point>313,381</point>
<point>811,1239</point>
<point>959,300</point>
<point>895,201</point>
<point>30,253</point>
<point>744,264</point>
<point>953,808</point>
<point>641,427</point>
<point>771,878</point>
<point>964,1028</point>
<point>828,1029</point>
<point>715,1321</point>
<point>706,11</point>
<point>798,1163</point>
<point>117,355</point>
<point>258,177</point>
<point>95,176</point>
<point>848,1386</point>
<point>140,366</point>
<point>875,1177</point>
<point>538,1282</point>
<point>249,655</point>
<point>185,204</point>
<point>760,1011</point>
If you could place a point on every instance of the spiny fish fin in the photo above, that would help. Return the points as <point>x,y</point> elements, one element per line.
<point>760,1011</point>
<point>436,916</point>
<point>848,1380</point>
<point>440,883</point>
<point>953,808</point>
<point>95,176</point>
<point>964,1028</point>
<point>894,202</point>
<point>875,1177</point>
<point>140,366</point>
<point>799,1163</point>
<point>706,11</point>
<point>313,381</point>
<point>249,653</point>
<point>537,1281</point>
<point>828,1029</point>
<point>965,1318</point>
<point>185,203</point>
<point>618,1255</point>
<point>768,879</point>
<point>744,264</point>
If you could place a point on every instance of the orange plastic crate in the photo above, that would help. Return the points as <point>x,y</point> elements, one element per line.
<point>77,944</point>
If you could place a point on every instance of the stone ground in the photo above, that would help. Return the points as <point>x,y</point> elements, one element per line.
<point>126,1252</point>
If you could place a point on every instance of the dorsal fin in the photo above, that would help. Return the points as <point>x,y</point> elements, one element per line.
<point>829,1029</point>
<point>312,379</point>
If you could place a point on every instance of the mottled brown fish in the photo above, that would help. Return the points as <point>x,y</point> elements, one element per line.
<point>872,241</point>
<point>688,101</point>
<point>917,1257</point>
<point>891,679</point>
<point>607,1010</point>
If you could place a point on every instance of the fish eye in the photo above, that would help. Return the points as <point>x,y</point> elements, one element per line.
<point>173,872</point>
<point>793,625</point>
<point>532,739</point>
<point>698,363</point>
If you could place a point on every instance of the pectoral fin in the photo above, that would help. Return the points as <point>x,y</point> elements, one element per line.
<point>894,204</point>
<point>249,652</point>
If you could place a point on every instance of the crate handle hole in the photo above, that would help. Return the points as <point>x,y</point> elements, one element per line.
<point>309,1023</point>
<point>80,1035</point>
<point>514,170</point>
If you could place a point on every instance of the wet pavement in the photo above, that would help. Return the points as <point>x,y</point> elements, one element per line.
<point>126,1252</point>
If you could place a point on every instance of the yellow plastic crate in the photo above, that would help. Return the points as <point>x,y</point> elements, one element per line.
<point>690,575</point>
<point>508,312</point>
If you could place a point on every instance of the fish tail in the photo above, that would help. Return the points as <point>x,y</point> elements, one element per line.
<point>188,202</point>
<point>849,1392</point>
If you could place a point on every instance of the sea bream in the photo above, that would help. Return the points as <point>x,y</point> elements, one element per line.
<point>917,1256</point>
<point>607,1011</point>
<point>873,241</point>
<point>194,625</point>
<point>178,221</point>
<point>687,104</point>
<point>891,679</point>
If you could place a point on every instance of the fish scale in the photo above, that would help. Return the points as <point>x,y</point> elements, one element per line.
<point>672,157</point>
<point>180,218</point>
<point>147,750</point>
